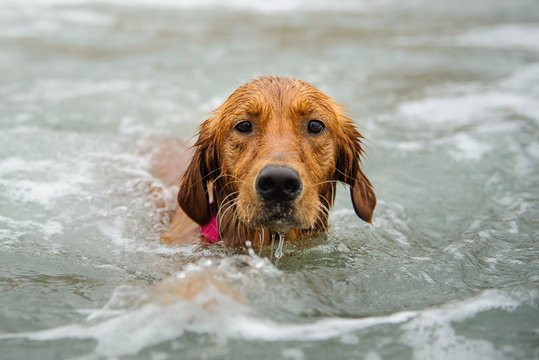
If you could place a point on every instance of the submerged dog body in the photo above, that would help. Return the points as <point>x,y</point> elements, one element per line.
<point>268,161</point>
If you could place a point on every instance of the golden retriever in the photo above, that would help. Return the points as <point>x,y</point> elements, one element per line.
<point>267,162</point>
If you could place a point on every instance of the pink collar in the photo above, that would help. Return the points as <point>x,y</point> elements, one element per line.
<point>211,231</point>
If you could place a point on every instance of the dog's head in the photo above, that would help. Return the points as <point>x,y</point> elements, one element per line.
<point>273,153</point>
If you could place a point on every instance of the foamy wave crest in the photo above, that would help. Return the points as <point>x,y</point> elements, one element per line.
<point>57,180</point>
<point>210,312</point>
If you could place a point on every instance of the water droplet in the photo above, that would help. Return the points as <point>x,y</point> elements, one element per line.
<point>250,248</point>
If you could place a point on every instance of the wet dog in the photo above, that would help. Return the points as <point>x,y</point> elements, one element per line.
<point>267,162</point>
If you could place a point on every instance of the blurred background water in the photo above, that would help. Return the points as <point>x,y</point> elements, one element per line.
<point>446,92</point>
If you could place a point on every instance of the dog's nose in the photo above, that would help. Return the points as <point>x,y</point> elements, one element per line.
<point>278,183</point>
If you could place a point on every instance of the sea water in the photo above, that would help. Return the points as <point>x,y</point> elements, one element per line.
<point>446,94</point>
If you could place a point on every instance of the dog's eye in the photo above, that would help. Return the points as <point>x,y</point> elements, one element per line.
<point>316,126</point>
<point>244,127</point>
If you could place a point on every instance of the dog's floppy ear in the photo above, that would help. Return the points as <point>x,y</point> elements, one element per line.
<point>348,170</point>
<point>363,197</point>
<point>193,194</point>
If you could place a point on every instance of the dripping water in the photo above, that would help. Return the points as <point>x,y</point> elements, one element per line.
<point>260,242</point>
<point>279,251</point>
<point>250,248</point>
<point>272,245</point>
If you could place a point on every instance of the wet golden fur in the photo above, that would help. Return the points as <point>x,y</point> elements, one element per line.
<point>225,164</point>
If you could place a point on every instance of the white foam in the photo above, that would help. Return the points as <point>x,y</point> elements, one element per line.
<point>84,17</point>
<point>115,232</point>
<point>524,80</point>
<point>65,180</point>
<point>16,164</point>
<point>514,36</point>
<point>43,193</point>
<point>462,105</point>
<point>432,337</point>
<point>16,228</point>
<point>403,145</point>
<point>324,329</point>
<point>469,112</point>
<point>458,110</point>
<point>467,148</point>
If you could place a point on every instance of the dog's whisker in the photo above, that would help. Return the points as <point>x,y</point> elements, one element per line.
<point>224,201</point>
<point>318,218</point>
<point>236,179</point>
<point>223,211</point>
<point>234,221</point>
<point>223,228</point>
<point>327,204</point>
<point>334,182</point>
<point>225,208</point>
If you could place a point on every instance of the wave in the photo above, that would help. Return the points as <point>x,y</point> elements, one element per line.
<point>206,298</point>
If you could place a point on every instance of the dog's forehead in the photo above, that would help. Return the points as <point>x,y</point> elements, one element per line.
<point>268,95</point>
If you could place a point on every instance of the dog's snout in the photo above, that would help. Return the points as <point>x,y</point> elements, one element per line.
<point>278,183</point>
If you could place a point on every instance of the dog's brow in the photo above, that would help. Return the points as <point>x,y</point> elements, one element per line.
<point>256,108</point>
<point>302,107</point>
